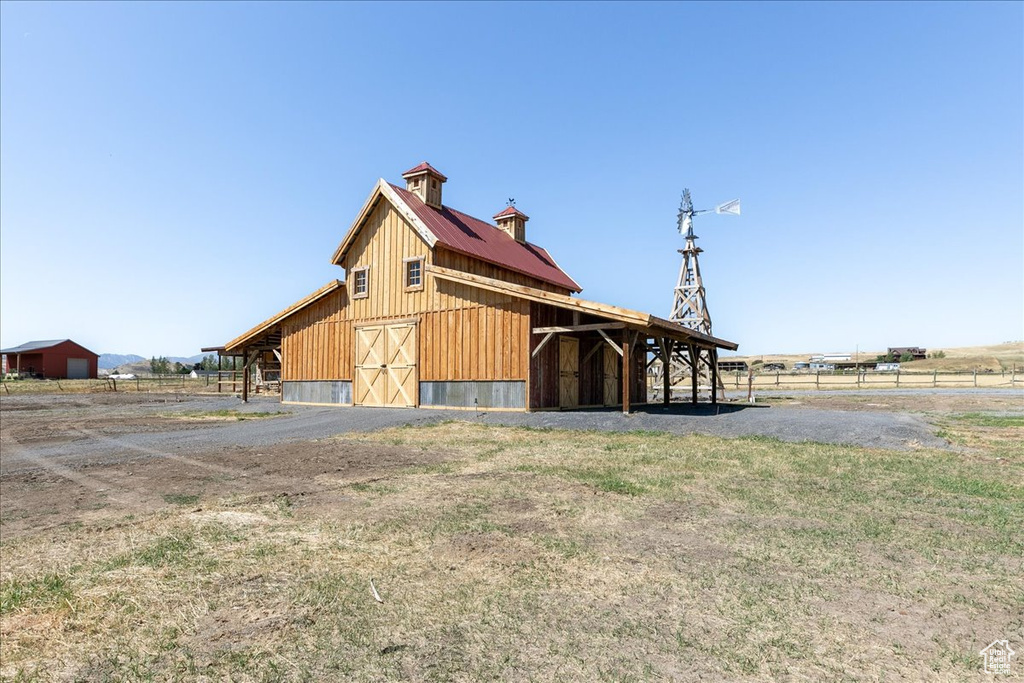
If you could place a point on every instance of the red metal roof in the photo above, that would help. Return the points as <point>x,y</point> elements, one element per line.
<point>511,211</point>
<point>463,233</point>
<point>423,168</point>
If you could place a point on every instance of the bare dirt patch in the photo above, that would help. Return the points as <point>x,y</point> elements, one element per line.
<point>305,475</point>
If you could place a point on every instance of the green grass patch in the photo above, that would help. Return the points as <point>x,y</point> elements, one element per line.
<point>44,593</point>
<point>989,420</point>
<point>181,498</point>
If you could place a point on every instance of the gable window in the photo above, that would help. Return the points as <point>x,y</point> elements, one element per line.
<point>361,282</point>
<point>414,273</point>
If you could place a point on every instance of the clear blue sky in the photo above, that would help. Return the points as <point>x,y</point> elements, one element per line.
<point>172,174</point>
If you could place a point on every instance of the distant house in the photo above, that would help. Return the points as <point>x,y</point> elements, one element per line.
<point>916,352</point>
<point>52,359</point>
<point>732,366</point>
<point>830,357</point>
<point>773,367</point>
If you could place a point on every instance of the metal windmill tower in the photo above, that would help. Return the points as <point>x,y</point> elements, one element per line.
<point>690,307</point>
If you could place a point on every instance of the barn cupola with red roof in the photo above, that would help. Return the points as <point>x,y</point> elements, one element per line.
<point>513,222</point>
<point>425,182</point>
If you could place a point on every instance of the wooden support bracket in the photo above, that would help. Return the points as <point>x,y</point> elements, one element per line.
<point>540,346</point>
<point>608,339</point>
<point>590,353</point>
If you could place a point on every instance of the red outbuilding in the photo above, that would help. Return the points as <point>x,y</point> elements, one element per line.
<point>52,359</point>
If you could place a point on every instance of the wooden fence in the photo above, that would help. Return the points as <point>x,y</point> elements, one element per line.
<point>869,380</point>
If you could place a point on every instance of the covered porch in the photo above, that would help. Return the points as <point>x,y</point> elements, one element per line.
<point>584,353</point>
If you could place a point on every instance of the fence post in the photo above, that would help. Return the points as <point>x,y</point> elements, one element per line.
<point>776,378</point>
<point>817,379</point>
<point>897,379</point>
<point>935,378</point>
<point>975,378</point>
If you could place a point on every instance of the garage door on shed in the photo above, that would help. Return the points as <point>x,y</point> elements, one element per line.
<point>78,368</point>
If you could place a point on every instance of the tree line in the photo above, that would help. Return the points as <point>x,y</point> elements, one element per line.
<point>162,366</point>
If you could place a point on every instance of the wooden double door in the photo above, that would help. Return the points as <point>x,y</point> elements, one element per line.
<point>385,369</point>
<point>569,373</point>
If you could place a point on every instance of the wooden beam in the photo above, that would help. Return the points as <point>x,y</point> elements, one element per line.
<point>245,380</point>
<point>609,340</point>
<point>539,295</point>
<point>625,377</point>
<point>580,328</point>
<point>694,364</point>
<point>278,354</point>
<point>666,383</point>
<point>590,353</point>
<point>713,360</point>
<point>540,346</point>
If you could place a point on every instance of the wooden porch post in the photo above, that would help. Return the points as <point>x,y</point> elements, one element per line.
<point>694,359</point>
<point>245,375</point>
<point>220,366</point>
<point>666,353</point>
<point>625,376</point>
<point>713,359</point>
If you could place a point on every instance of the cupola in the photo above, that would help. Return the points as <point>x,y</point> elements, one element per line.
<point>513,222</point>
<point>425,182</point>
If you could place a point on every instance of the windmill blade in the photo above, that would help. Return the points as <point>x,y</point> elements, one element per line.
<point>732,207</point>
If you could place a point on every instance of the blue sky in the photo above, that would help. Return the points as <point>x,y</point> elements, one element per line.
<point>172,174</point>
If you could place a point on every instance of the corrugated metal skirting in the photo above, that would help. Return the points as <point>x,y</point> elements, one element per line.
<point>339,392</point>
<point>497,394</point>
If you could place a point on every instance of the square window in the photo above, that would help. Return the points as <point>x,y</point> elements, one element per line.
<point>361,282</point>
<point>414,274</point>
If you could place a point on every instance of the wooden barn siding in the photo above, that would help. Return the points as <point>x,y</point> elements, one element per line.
<point>464,333</point>
<point>476,342</point>
<point>456,261</point>
<point>316,341</point>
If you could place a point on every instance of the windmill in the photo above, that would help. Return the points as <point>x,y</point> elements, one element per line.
<point>689,307</point>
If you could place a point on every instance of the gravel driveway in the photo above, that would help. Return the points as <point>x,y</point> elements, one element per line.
<point>111,427</point>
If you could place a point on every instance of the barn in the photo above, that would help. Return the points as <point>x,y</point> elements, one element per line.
<point>52,359</point>
<point>441,309</point>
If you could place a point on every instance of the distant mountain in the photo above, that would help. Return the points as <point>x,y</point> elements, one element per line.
<point>109,361</point>
<point>191,360</point>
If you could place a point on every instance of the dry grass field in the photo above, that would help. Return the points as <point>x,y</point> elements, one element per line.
<point>521,554</point>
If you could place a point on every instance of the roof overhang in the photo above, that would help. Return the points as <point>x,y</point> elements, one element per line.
<point>637,320</point>
<point>268,333</point>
